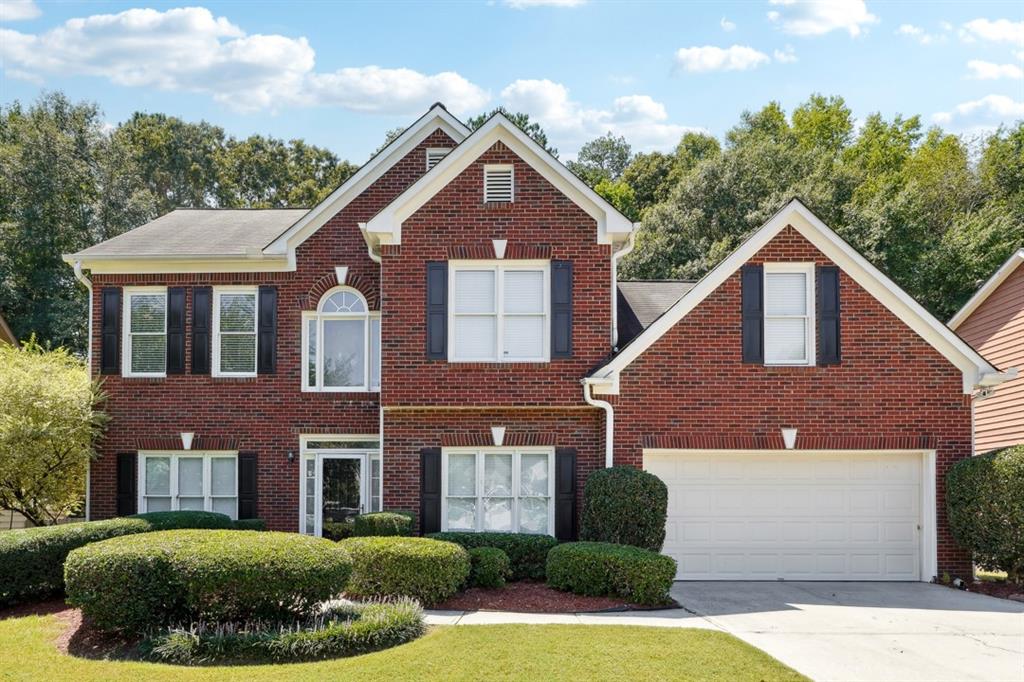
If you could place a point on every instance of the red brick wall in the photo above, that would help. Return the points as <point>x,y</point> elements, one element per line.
<point>892,390</point>
<point>265,414</point>
<point>456,223</point>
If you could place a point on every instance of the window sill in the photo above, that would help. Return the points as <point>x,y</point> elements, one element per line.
<point>144,377</point>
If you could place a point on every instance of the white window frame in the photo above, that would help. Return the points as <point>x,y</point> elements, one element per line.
<point>443,151</point>
<point>175,455</point>
<point>500,268</point>
<point>512,181</point>
<point>126,330</point>
<point>806,269</point>
<point>309,453</point>
<point>217,292</point>
<point>517,453</point>
<point>319,317</point>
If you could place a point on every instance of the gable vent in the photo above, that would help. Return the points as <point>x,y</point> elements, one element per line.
<point>435,155</point>
<point>498,183</point>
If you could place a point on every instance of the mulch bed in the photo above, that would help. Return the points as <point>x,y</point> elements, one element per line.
<point>531,597</point>
<point>77,637</point>
<point>1002,589</point>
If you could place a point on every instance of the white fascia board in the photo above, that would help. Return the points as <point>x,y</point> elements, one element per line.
<point>1004,271</point>
<point>437,117</point>
<point>387,224</point>
<point>127,265</point>
<point>944,340</point>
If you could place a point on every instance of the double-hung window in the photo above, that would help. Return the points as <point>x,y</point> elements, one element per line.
<point>145,331</point>
<point>234,331</point>
<point>507,490</point>
<point>171,481</point>
<point>789,314</point>
<point>499,312</point>
<point>341,344</point>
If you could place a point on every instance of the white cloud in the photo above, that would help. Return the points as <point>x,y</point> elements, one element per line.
<point>786,56</point>
<point>727,25</point>
<point>527,4</point>
<point>922,36</point>
<point>818,17</point>
<point>641,119</point>
<point>988,109</point>
<point>1019,55</point>
<point>989,71</point>
<point>998,31</point>
<point>711,58</point>
<point>190,50</point>
<point>18,10</point>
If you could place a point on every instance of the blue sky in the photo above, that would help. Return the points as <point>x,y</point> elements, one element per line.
<point>340,74</point>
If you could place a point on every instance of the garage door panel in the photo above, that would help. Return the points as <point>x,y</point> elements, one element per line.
<point>797,516</point>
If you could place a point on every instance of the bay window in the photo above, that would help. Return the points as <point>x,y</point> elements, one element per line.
<point>341,344</point>
<point>234,331</point>
<point>172,481</point>
<point>789,314</point>
<point>145,331</point>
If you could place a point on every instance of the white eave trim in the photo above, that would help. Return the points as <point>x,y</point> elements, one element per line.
<point>120,264</point>
<point>386,226</point>
<point>936,334</point>
<point>1004,271</point>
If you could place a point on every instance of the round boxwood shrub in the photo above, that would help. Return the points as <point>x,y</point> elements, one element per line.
<point>383,524</point>
<point>528,553</point>
<point>32,559</point>
<point>424,569</point>
<point>338,530</point>
<point>137,582</point>
<point>250,524</point>
<point>626,506</point>
<point>985,503</point>
<point>603,569</point>
<point>488,567</point>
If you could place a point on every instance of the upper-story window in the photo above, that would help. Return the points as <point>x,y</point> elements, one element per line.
<point>145,331</point>
<point>234,331</point>
<point>341,344</point>
<point>499,183</point>
<point>789,314</point>
<point>435,154</point>
<point>499,312</point>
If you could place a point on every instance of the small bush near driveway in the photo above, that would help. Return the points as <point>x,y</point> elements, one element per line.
<point>603,569</point>
<point>383,524</point>
<point>489,567</point>
<point>424,569</point>
<point>626,506</point>
<point>528,553</point>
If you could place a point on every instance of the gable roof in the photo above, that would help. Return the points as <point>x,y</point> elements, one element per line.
<point>1000,275</point>
<point>642,302</point>
<point>386,226</point>
<point>976,370</point>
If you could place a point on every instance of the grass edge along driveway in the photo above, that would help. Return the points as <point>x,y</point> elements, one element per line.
<point>471,652</point>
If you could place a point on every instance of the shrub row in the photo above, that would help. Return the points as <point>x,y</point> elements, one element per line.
<point>488,567</point>
<point>383,524</point>
<point>138,582</point>
<point>346,631</point>
<point>32,559</point>
<point>527,553</point>
<point>424,569</point>
<point>603,569</point>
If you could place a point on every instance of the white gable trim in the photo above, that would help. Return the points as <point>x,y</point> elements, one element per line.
<point>437,117</point>
<point>386,226</point>
<point>974,366</point>
<point>1004,271</point>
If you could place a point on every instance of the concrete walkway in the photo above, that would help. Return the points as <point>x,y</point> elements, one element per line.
<point>835,631</point>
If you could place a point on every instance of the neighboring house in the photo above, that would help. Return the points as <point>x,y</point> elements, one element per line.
<point>993,322</point>
<point>6,335</point>
<point>442,334</point>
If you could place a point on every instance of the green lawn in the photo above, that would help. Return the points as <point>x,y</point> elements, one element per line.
<point>521,652</point>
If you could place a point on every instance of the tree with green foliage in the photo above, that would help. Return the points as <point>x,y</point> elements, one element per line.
<point>531,128</point>
<point>49,422</point>
<point>604,158</point>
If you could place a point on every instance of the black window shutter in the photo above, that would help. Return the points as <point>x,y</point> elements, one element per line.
<point>561,309</point>
<point>127,499</point>
<point>752,282</point>
<point>247,489</point>
<point>565,495</point>
<point>202,316</point>
<point>176,330</point>
<point>437,310</point>
<point>266,350</point>
<point>110,337</point>
<point>430,490</point>
<point>828,315</point>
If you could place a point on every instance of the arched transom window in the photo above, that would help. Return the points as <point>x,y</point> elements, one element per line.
<point>341,344</point>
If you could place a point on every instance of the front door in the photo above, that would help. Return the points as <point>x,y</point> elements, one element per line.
<point>341,494</point>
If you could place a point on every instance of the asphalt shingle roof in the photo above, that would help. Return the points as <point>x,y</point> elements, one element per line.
<point>642,302</point>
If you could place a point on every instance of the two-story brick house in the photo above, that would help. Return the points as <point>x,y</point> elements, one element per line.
<point>444,334</point>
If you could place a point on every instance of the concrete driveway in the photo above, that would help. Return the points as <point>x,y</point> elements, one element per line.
<point>868,631</point>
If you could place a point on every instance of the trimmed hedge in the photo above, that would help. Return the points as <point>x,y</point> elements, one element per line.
<point>427,570</point>
<point>488,567</point>
<point>250,524</point>
<point>348,630</point>
<point>138,582</point>
<point>32,559</point>
<point>985,504</point>
<point>626,506</point>
<point>528,553</point>
<point>602,569</point>
<point>338,530</point>
<point>383,524</point>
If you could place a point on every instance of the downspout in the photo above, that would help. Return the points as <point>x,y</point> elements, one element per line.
<point>88,363</point>
<point>609,423</point>
<point>616,256</point>
<point>376,258</point>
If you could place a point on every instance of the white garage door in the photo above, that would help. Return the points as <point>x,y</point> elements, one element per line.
<point>792,515</point>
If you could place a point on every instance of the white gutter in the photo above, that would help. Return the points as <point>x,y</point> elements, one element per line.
<point>616,256</point>
<point>88,286</point>
<point>609,423</point>
<point>375,257</point>
<point>996,378</point>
